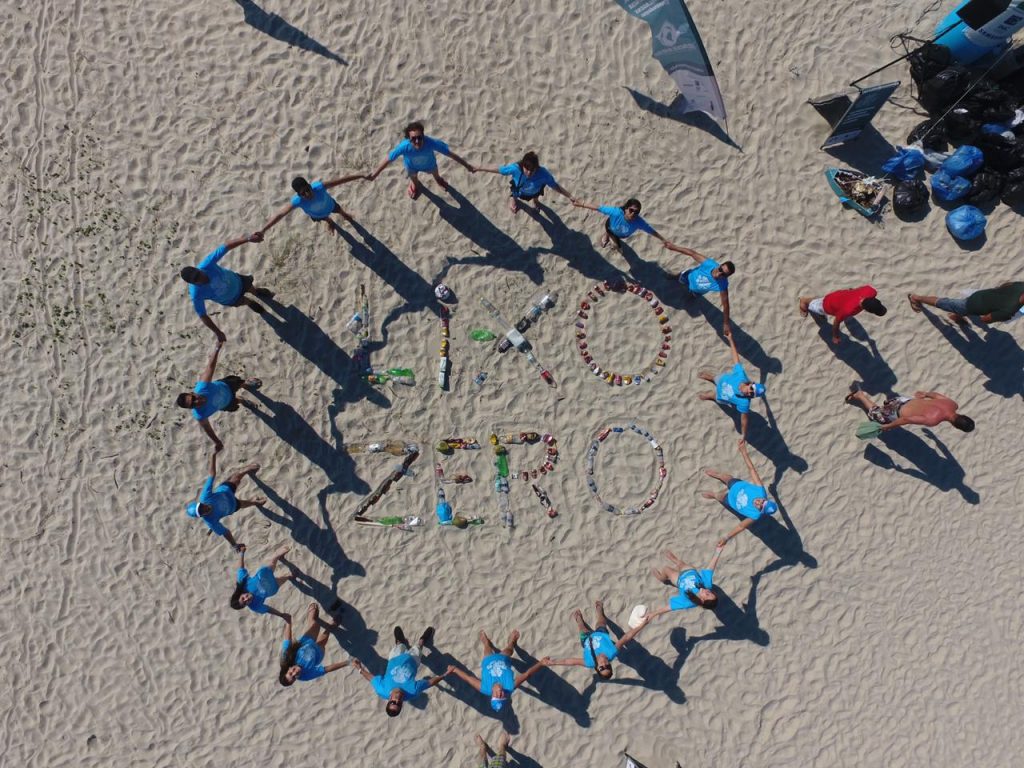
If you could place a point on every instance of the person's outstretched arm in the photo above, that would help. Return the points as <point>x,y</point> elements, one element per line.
<point>208,322</point>
<point>435,680</point>
<point>376,172</point>
<point>564,192</point>
<point>714,559</point>
<point>207,427</point>
<point>696,256</point>
<point>750,465</point>
<point>288,208</point>
<point>726,326</point>
<point>488,168</point>
<point>836,338</point>
<point>358,665</point>
<point>211,467</point>
<point>458,159</point>
<point>237,546</point>
<point>522,678</point>
<point>735,532</point>
<point>656,235</point>
<point>744,423</point>
<point>634,631</point>
<point>287,627</point>
<point>339,665</point>
<point>465,677</point>
<point>230,245</point>
<point>580,204</point>
<point>732,345</point>
<point>344,180</point>
<point>211,363</point>
<point>566,663</point>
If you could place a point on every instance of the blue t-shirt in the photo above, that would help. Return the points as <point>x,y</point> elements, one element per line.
<point>689,581</point>
<point>741,498</point>
<point>221,501</point>
<point>700,280</point>
<point>602,643</point>
<point>261,585</point>
<point>727,388</point>
<point>528,186</point>
<point>225,286</point>
<point>218,396</point>
<point>496,669</point>
<point>401,673</point>
<point>620,225</point>
<point>309,657</point>
<point>421,159</point>
<point>320,206</point>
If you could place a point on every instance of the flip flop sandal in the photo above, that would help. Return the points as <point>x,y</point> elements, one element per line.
<point>254,385</point>
<point>412,191</point>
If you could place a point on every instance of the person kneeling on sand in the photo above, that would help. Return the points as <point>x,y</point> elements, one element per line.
<point>927,409</point>
<point>733,387</point>
<point>253,590</point>
<point>499,760</point>
<point>599,649</point>
<point>304,660</point>
<point>497,678</point>
<point>694,585</point>
<point>843,305</point>
<point>749,500</point>
<point>213,504</point>
<point>210,396</point>
<point>399,679</point>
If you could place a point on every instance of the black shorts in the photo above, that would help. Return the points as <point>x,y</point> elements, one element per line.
<point>512,190</point>
<point>337,209</point>
<point>246,285</point>
<point>235,382</point>
<point>231,485</point>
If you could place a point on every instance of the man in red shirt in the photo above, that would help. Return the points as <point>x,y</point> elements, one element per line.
<point>842,305</point>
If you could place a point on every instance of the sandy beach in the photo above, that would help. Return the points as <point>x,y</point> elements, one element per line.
<point>873,621</point>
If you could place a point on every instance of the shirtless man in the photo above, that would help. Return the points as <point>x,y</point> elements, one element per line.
<point>928,409</point>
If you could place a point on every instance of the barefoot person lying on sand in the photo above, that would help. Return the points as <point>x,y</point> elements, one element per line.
<point>417,151</point>
<point>527,182</point>
<point>399,679</point>
<point>214,503</point>
<point>707,277</point>
<point>210,396</point>
<point>622,222</point>
<point>303,660</point>
<point>499,760</point>
<point>733,387</point>
<point>927,409</point>
<point>988,306</point>
<point>253,590</point>
<point>842,305</point>
<point>211,282</point>
<point>599,649</point>
<point>497,677</point>
<point>694,585</point>
<point>750,500</point>
<point>315,201</point>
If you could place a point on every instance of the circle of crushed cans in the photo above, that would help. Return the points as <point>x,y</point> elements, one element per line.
<point>614,378</point>
<point>659,454</point>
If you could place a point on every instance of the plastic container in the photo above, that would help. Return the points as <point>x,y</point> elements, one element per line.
<point>501,462</point>
<point>481,334</point>
<point>355,324</point>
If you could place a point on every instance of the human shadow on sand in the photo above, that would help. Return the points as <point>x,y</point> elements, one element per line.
<point>995,353</point>
<point>654,673</point>
<point>859,351</point>
<point>764,436</point>
<point>319,539</point>
<point>935,465</point>
<point>553,689</point>
<point>273,25</point>
<point>576,247</point>
<point>301,332</point>
<point>780,536</point>
<point>674,111</point>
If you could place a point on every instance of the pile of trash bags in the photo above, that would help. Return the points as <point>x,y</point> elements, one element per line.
<point>975,152</point>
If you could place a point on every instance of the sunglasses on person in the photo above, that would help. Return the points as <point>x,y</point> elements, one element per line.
<point>632,210</point>
<point>605,668</point>
<point>417,138</point>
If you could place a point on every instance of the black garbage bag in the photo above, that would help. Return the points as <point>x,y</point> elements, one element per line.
<point>927,61</point>
<point>934,133</point>
<point>1001,153</point>
<point>937,93</point>
<point>909,196</point>
<point>986,186</point>
<point>961,128</point>
<point>1013,188</point>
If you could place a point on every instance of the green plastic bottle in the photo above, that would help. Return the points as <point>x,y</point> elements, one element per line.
<point>401,372</point>
<point>481,334</point>
<point>502,464</point>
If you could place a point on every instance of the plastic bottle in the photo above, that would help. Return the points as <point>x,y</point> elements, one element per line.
<point>407,380</point>
<point>501,462</point>
<point>515,338</point>
<point>398,372</point>
<point>444,509</point>
<point>355,324</point>
<point>442,372</point>
<point>480,378</point>
<point>438,470</point>
<point>373,378</point>
<point>481,334</point>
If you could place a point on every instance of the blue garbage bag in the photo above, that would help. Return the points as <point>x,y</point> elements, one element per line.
<point>905,165</point>
<point>966,222</point>
<point>964,162</point>
<point>947,188</point>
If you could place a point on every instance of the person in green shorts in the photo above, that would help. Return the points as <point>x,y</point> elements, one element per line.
<point>599,648</point>
<point>991,305</point>
<point>499,760</point>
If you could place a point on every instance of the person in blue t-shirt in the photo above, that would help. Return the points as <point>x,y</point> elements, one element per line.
<point>315,201</point>
<point>599,649</point>
<point>303,660</point>
<point>215,502</point>
<point>498,678</point>
<point>733,387</point>
<point>418,153</point>
<point>708,276</point>
<point>622,222</point>
<point>527,181</point>
<point>749,500</point>
<point>253,590</point>
<point>694,584</point>
<point>211,282</point>
<point>210,396</point>
<point>399,679</point>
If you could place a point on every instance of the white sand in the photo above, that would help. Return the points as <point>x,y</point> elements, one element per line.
<point>136,137</point>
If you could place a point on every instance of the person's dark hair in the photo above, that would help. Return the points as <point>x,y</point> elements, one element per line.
<point>632,203</point>
<point>414,126</point>
<point>193,275</point>
<point>182,400</point>
<point>729,267</point>
<point>708,604</point>
<point>963,423</point>
<point>299,184</point>
<point>393,708</point>
<point>239,591</point>
<point>530,159</point>
<point>287,662</point>
<point>874,306</point>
